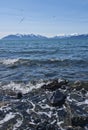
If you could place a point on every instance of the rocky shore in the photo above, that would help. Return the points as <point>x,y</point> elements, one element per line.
<point>56,105</point>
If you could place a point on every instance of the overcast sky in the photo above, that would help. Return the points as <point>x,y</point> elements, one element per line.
<point>45,17</point>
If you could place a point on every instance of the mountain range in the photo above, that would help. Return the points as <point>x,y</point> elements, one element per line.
<point>23,37</point>
<point>32,36</point>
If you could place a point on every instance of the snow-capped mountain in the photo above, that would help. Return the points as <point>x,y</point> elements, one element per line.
<point>32,36</point>
<point>21,37</point>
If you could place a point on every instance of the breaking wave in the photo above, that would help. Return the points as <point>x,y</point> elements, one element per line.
<point>21,87</point>
<point>8,61</point>
<point>20,61</point>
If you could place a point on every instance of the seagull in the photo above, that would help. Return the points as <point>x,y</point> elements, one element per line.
<point>21,20</point>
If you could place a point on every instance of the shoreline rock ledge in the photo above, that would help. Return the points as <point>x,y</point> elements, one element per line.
<point>56,98</point>
<point>54,85</point>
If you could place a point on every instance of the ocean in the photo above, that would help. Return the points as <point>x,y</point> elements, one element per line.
<point>27,60</point>
<point>26,65</point>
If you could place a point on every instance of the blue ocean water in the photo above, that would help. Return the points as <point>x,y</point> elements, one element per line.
<point>28,60</point>
<point>26,66</point>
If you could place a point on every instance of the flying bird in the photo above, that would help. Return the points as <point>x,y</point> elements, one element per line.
<point>21,20</point>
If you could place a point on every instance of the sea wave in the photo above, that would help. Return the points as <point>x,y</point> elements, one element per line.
<point>64,62</point>
<point>42,61</point>
<point>21,87</point>
<point>8,61</point>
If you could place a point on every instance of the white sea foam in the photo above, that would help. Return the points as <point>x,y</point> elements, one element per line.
<point>8,117</point>
<point>45,106</point>
<point>83,103</point>
<point>5,108</point>
<point>45,113</point>
<point>19,122</point>
<point>21,87</point>
<point>17,125</point>
<point>8,61</point>
<point>87,94</point>
<point>57,59</point>
<point>86,101</point>
<point>16,87</point>
<point>37,86</point>
<point>59,124</point>
<point>69,99</point>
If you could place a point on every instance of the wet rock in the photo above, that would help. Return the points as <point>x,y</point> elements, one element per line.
<point>77,85</point>
<point>63,81</point>
<point>78,128</point>
<point>69,128</point>
<point>56,98</point>
<point>83,91</point>
<point>3,103</point>
<point>19,95</point>
<point>76,97</point>
<point>34,112</point>
<point>46,126</point>
<point>55,84</point>
<point>74,128</point>
<point>80,121</point>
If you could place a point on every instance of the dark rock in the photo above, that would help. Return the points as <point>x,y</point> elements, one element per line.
<point>74,128</point>
<point>78,85</point>
<point>61,113</point>
<point>78,128</point>
<point>83,91</point>
<point>46,126</point>
<point>80,121</point>
<point>63,81</point>
<point>56,98</point>
<point>76,97</point>
<point>19,95</point>
<point>69,128</point>
<point>55,84</point>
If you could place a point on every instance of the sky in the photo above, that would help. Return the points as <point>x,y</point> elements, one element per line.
<point>44,17</point>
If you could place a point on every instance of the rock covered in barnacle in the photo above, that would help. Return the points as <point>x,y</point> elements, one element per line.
<point>80,121</point>
<point>45,125</point>
<point>57,83</point>
<point>83,91</point>
<point>78,85</point>
<point>34,112</point>
<point>74,128</point>
<point>56,98</point>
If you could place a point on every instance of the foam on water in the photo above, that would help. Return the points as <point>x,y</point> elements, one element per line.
<point>8,61</point>
<point>45,106</point>
<point>17,125</point>
<point>83,103</point>
<point>86,101</point>
<point>87,94</point>
<point>45,113</point>
<point>19,122</point>
<point>5,108</point>
<point>55,59</point>
<point>16,87</point>
<point>59,124</point>
<point>31,108</point>
<point>24,88</point>
<point>7,117</point>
